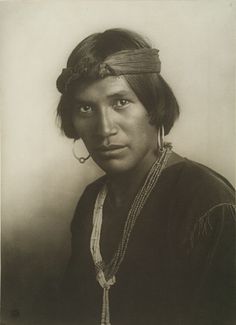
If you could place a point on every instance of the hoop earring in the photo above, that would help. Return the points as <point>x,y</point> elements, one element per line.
<point>82,160</point>
<point>160,138</point>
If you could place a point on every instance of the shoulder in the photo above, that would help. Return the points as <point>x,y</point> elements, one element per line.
<point>196,182</point>
<point>94,187</point>
<point>91,190</point>
<point>198,197</point>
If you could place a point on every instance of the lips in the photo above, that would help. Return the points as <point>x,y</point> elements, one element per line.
<point>111,149</point>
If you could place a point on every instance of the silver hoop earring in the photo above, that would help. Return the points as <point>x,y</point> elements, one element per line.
<point>160,138</point>
<point>82,160</point>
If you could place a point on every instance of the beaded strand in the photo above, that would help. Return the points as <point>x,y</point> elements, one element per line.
<point>136,208</point>
<point>105,274</point>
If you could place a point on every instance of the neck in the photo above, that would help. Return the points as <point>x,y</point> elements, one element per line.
<point>123,187</point>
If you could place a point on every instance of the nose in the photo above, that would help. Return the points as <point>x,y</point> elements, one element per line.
<point>105,125</point>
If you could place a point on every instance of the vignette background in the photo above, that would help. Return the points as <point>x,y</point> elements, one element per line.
<point>41,181</point>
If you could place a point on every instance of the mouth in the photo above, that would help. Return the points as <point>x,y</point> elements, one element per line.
<point>110,150</point>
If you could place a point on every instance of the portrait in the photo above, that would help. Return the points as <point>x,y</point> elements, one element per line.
<point>118,163</point>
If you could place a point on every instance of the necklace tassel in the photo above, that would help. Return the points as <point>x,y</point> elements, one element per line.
<point>139,202</point>
<point>105,308</point>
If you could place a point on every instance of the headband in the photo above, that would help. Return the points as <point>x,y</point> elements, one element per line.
<point>124,62</point>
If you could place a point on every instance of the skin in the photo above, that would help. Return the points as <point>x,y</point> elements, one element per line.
<point>115,128</point>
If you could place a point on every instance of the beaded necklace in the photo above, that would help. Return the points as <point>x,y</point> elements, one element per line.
<point>105,273</point>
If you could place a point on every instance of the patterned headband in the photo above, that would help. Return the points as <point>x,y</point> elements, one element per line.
<point>124,62</point>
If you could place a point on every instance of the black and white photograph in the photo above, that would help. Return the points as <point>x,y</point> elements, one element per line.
<point>118,142</point>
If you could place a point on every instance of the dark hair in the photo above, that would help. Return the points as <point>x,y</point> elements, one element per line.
<point>151,89</point>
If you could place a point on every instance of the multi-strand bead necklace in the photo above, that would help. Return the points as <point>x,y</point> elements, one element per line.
<point>105,274</point>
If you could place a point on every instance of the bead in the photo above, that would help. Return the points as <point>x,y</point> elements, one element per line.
<point>103,271</point>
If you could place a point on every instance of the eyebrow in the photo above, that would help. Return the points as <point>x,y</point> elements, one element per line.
<point>116,94</point>
<point>121,93</point>
<point>78,101</point>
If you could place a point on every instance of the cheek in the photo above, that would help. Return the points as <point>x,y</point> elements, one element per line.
<point>146,134</point>
<point>85,134</point>
<point>80,127</point>
<point>141,127</point>
<point>75,122</point>
<point>142,139</point>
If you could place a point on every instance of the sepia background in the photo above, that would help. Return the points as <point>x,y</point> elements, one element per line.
<point>41,181</point>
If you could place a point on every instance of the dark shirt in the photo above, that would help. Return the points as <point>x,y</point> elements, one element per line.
<point>180,265</point>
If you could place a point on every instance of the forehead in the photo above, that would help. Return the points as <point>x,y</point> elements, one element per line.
<point>96,90</point>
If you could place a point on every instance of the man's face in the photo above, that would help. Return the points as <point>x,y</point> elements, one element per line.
<point>113,124</point>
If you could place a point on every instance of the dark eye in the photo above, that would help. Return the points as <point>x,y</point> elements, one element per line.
<point>84,109</point>
<point>121,103</point>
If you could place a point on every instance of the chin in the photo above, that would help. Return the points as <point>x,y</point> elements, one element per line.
<point>114,166</point>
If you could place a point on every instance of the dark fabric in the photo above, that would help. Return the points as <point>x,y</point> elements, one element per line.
<point>179,268</point>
